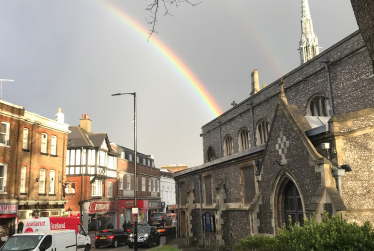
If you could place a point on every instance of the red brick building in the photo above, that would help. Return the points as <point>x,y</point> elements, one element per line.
<point>32,166</point>
<point>148,188</point>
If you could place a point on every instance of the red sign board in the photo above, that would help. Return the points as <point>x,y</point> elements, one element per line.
<point>97,207</point>
<point>8,209</point>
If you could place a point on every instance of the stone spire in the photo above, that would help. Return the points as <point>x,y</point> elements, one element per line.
<point>309,46</point>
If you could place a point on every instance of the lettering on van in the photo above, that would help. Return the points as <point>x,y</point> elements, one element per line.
<point>35,224</point>
<point>55,226</point>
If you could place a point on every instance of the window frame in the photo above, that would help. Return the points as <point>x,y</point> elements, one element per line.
<point>110,189</point>
<point>143,184</point>
<point>44,144</point>
<point>6,134</point>
<point>52,179</point>
<point>262,131</point>
<point>3,189</point>
<point>23,179</point>
<point>25,140</point>
<point>244,140</point>
<point>42,179</point>
<point>120,181</point>
<point>54,145</point>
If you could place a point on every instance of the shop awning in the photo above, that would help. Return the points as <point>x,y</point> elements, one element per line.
<point>8,216</point>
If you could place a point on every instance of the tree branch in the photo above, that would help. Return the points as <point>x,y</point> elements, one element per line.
<point>154,8</point>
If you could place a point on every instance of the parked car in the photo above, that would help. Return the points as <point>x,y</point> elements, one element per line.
<point>160,219</point>
<point>144,224</point>
<point>147,235</point>
<point>113,238</point>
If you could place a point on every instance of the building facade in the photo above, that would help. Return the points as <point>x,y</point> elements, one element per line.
<point>32,163</point>
<point>91,177</point>
<point>168,198</point>
<point>298,147</point>
<point>147,189</point>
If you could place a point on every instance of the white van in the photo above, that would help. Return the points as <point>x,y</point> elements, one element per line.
<point>53,240</point>
<point>37,224</point>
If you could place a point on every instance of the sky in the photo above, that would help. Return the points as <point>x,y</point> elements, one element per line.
<point>75,54</point>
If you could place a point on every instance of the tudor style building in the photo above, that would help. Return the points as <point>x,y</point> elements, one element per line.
<point>91,159</point>
<point>300,146</point>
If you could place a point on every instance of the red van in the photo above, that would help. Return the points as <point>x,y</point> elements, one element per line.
<point>58,223</point>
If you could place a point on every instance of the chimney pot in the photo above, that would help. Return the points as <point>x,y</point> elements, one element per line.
<point>85,123</point>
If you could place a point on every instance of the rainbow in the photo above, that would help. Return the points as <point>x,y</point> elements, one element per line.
<point>170,55</point>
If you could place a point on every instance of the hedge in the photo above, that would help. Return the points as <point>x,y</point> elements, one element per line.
<point>330,234</point>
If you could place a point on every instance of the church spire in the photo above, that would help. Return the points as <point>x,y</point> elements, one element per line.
<point>309,46</point>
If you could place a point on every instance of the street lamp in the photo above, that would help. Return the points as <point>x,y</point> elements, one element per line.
<point>1,86</point>
<point>135,162</point>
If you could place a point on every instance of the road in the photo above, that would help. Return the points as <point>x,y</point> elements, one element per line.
<point>125,247</point>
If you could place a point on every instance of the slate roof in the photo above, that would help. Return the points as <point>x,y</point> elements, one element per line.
<point>81,138</point>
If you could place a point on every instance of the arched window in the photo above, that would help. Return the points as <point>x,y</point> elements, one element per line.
<point>318,106</point>
<point>227,146</point>
<point>211,155</point>
<point>262,132</point>
<point>243,140</point>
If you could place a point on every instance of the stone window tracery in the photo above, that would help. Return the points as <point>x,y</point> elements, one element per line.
<point>318,106</point>
<point>227,146</point>
<point>262,132</point>
<point>243,140</point>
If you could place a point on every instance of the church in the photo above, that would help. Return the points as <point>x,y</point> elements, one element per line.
<point>296,148</point>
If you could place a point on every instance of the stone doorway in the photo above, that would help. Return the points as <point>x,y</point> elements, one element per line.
<point>288,202</point>
<point>293,207</point>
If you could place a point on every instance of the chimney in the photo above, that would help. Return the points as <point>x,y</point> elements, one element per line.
<point>60,117</point>
<point>85,123</point>
<point>255,86</point>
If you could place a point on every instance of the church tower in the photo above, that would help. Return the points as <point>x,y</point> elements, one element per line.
<point>309,46</point>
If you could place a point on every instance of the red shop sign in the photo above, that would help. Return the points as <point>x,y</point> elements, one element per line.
<point>103,206</point>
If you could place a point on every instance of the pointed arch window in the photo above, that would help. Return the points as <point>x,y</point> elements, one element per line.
<point>211,155</point>
<point>292,205</point>
<point>227,146</point>
<point>243,140</point>
<point>318,106</point>
<point>262,132</point>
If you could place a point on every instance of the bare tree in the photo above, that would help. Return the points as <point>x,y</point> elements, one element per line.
<point>155,6</point>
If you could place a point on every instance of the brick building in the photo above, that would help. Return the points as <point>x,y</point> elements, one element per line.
<point>32,162</point>
<point>291,149</point>
<point>148,188</point>
<point>91,158</point>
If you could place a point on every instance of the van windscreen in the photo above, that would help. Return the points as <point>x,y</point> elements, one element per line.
<point>24,242</point>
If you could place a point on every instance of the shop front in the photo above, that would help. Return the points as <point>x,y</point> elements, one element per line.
<point>125,211</point>
<point>30,209</point>
<point>154,207</point>
<point>8,221</point>
<point>102,216</point>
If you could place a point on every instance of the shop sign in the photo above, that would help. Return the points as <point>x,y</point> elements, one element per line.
<point>130,204</point>
<point>208,222</point>
<point>154,204</point>
<point>103,206</point>
<point>70,188</point>
<point>8,209</point>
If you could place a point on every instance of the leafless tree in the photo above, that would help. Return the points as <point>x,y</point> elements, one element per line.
<point>155,6</point>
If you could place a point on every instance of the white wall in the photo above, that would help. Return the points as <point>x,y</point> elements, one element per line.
<point>167,189</point>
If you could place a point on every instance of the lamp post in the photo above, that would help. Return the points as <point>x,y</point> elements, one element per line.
<point>135,163</point>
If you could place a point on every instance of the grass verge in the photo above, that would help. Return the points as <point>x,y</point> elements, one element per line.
<point>165,248</point>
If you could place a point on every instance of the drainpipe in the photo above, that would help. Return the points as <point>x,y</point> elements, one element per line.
<point>326,62</point>
<point>220,138</point>
<point>201,208</point>
<point>250,103</point>
<point>338,173</point>
<point>178,212</point>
